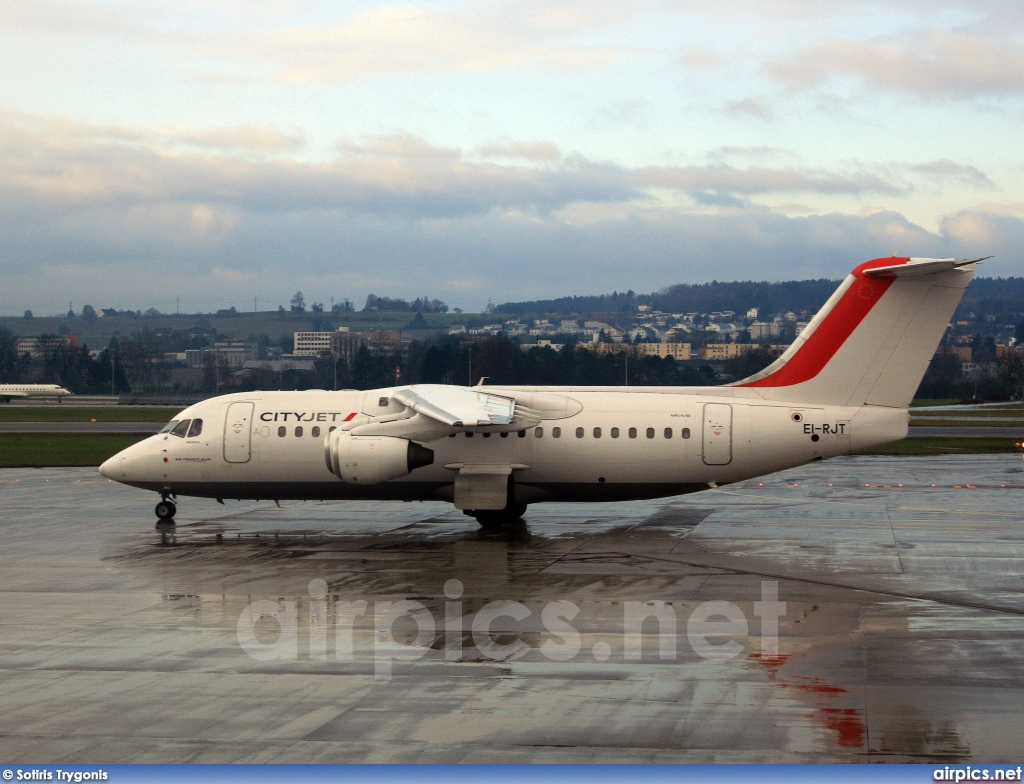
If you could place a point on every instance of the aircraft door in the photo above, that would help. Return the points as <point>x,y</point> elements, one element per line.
<point>238,433</point>
<point>717,434</point>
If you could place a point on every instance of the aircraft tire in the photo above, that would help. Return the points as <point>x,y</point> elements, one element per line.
<point>495,518</point>
<point>165,510</point>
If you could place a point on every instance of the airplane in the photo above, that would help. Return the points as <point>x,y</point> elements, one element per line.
<point>843,385</point>
<point>9,391</point>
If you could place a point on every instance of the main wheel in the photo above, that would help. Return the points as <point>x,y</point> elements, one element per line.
<point>165,510</point>
<point>495,518</point>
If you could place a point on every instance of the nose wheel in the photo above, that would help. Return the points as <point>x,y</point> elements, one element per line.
<point>165,510</point>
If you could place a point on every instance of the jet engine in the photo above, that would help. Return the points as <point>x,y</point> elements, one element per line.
<point>370,460</point>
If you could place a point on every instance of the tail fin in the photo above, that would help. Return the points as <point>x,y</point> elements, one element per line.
<point>870,344</point>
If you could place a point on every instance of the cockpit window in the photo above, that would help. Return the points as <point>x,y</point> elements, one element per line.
<point>196,429</point>
<point>181,428</point>
<point>169,426</point>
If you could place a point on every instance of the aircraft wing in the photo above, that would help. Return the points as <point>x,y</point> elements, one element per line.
<point>434,411</point>
<point>458,406</point>
<point>12,394</point>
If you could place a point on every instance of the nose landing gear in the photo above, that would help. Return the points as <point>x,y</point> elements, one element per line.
<point>166,509</point>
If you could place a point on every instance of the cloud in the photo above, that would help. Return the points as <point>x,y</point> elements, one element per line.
<point>531,151</point>
<point>392,40</point>
<point>400,144</point>
<point>759,180</point>
<point>935,64</point>
<point>72,18</point>
<point>945,169</point>
<point>466,260</point>
<point>149,210</point>
<point>757,152</point>
<point>698,58</point>
<point>750,107</point>
<point>240,137</point>
<point>56,166</point>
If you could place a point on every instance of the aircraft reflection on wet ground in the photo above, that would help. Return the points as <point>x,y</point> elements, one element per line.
<point>900,640</point>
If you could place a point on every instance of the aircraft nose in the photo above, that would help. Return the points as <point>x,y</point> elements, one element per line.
<point>109,467</point>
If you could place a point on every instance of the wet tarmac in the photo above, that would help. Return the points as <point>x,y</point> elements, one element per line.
<point>902,638</point>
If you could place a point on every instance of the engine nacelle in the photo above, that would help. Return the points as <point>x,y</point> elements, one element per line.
<point>370,460</point>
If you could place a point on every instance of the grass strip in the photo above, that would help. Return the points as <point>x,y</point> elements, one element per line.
<point>941,445</point>
<point>918,422</point>
<point>99,414</point>
<point>933,402</point>
<point>50,450</point>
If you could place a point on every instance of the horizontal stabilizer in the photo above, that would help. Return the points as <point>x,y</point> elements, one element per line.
<point>916,267</point>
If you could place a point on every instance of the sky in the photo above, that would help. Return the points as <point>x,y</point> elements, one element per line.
<point>204,154</point>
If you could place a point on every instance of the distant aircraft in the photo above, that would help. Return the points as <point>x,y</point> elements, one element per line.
<point>9,391</point>
<point>843,385</point>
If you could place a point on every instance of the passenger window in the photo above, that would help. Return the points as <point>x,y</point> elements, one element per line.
<point>556,432</point>
<point>332,429</point>
<point>597,432</point>
<point>539,432</point>
<point>196,429</point>
<point>315,432</point>
<point>632,432</point>
<point>522,434</point>
<point>298,432</point>
<point>615,432</point>
<point>487,435</point>
<point>169,426</point>
<point>686,432</point>
<point>468,434</point>
<point>650,432</point>
<point>505,435</point>
<point>579,432</point>
<point>668,432</point>
<point>182,428</point>
<point>282,430</point>
<point>383,402</point>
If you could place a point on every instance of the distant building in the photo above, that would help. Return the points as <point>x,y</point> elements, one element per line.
<point>719,351</point>
<point>256,367</point>
<point>312,344</point>
<point>724,328</point>
<point>545,344</point>
<point>36,349</point>
<point>976,371</point>
<point>963,353</point>
<point>679,351</point>
<point>752,313</point>
<point>341,343</point>
<point>761,330</point>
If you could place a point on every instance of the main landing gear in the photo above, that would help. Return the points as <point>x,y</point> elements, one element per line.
<point>496,518</point>
<point>166,509</point>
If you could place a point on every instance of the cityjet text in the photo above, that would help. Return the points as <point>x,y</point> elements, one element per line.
<point>300,416</point>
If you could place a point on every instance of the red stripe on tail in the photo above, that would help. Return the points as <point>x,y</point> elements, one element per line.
<point>834,329</point>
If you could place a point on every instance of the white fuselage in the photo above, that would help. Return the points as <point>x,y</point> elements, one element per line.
<point>619,444</point>
<point>8,391</point>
